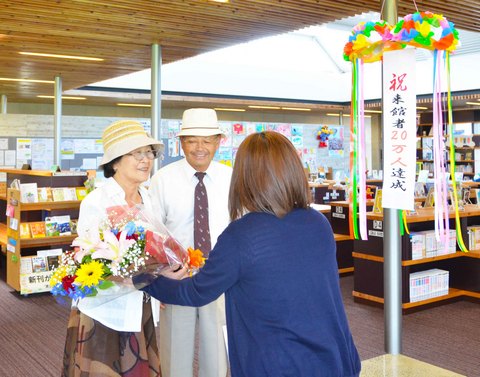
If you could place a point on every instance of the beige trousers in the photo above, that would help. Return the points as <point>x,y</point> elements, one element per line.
<point>177,340</point>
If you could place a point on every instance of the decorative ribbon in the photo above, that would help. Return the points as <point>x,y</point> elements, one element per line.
<point>441,208</point>
<point>353,206</point>
<point>362,155</point>
<point>458,228</point>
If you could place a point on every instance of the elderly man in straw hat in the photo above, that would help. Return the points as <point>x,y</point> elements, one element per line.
<point>191,198</point>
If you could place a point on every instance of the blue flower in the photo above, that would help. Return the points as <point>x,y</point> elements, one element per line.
<point>130,228</point>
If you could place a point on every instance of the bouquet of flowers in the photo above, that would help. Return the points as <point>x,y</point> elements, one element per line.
<point>128,243</point>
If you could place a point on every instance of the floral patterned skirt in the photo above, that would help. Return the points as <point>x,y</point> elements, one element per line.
<point>92,349</point>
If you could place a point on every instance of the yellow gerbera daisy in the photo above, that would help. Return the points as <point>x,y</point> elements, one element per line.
<point>89,274</point>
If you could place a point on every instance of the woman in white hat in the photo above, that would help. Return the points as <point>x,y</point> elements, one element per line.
<point>111,336</point>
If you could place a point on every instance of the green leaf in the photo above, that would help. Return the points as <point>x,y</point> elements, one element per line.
<point>105,284</point>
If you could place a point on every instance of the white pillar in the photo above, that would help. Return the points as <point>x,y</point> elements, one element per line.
<point>155,97</point>
<point>57,120</point>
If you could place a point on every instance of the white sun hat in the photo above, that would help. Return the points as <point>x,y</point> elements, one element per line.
<point>124,136</point>
<point>199,122</point>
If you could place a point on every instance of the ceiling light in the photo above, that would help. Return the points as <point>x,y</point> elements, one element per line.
<point>422,108</point>
<point>133,104</point>
<point>373,111</point>
<point>296,108</point>
<point>220,1</point>
<point>473,103</point>
<point>264,107</point>
<point>226,109</point>
<point>61,56</point>
<point>28,80</point>
<point>63,97</point>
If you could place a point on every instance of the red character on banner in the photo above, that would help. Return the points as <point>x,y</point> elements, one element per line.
<point>322,135</point>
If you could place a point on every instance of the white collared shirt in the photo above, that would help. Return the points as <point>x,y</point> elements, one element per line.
<point>119,307</point>
<point>172,191</point>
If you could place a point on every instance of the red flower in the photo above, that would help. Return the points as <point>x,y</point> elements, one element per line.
<point>67,282</point>
<point>134,236</point>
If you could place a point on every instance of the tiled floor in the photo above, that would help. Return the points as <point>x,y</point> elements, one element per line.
<point>401,366</point>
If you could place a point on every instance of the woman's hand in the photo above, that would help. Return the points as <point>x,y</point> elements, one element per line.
<point>175,272</point>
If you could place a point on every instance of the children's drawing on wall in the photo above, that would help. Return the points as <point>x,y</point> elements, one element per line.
<point>238,129</point>
<point>259,127</point>
<point>251,128</point>
<point>226,128</point>
<point>284,129</point>
<point>297,131</point>
<point>224,155</point>
<point>297,141</point>
<point>173,128</point>
<point>173,147</point>
<point>335,142</point>
<point>309,158</point>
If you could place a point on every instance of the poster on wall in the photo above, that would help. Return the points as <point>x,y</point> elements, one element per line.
<point>10,158</point>
<point>42,154</point>
<point>24,149</point>
<point>67,149</point>
<point>226,128</point>
<point>335,141</point>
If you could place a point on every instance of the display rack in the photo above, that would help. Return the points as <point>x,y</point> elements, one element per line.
<point>18,247</point>
<point>12,245</point>
<point>463,268</point>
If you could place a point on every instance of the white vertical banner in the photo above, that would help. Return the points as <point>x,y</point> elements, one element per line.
<point>399,128</point>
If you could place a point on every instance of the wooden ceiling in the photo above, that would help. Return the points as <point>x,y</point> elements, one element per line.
<point>122,31</point>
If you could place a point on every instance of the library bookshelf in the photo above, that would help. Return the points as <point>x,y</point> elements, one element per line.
<point>14,214</point>
<point>463,268</point>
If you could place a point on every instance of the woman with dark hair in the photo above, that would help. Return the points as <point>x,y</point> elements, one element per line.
<point>276,264</point>
<point>114,334</point>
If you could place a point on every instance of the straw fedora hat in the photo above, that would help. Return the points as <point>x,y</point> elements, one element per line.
<point>199,122</point>
<point>124,136</point>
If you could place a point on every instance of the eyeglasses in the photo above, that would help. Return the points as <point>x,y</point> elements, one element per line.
<point>139,155</point>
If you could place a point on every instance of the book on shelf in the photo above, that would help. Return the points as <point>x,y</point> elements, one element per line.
<point>61,194</point>
<point>52,262</point>
<point>39,264</point>
<point>428,284</point>
<point>52,257</point>
<point>26,266</point>
<point>25,230</point>
<point>58,194</point>
<point>57,226</point>
<point>45,194</point>
<point>28,192</point>
<point>51,227</point>
<point>73,226</point>
<point>81,192</point>
<point>37,229</point>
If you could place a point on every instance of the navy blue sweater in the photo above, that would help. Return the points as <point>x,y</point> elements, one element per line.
<point>285,315</point>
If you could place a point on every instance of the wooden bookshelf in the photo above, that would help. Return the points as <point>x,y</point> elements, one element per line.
<point>463,267</point>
